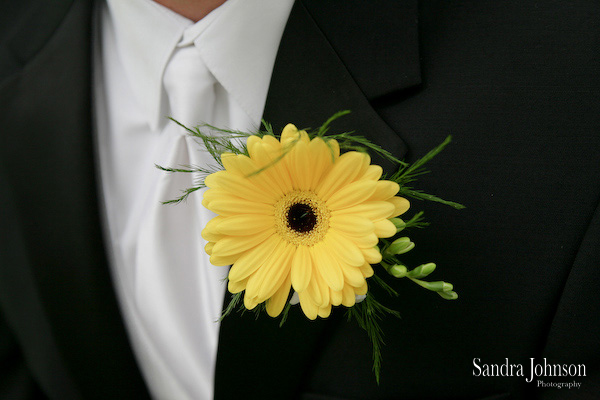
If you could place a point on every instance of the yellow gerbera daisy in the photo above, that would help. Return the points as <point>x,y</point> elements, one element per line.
<point>309,220</point>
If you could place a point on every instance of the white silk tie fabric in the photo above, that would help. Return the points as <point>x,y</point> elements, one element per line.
<point>150,64</point>
<point>170,250</point>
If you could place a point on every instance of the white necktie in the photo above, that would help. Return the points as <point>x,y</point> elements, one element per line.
<point>170,251</point>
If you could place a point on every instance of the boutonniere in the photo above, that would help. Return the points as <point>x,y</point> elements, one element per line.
<point>303,217</point>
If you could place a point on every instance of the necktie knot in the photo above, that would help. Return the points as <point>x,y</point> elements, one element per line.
<point>189,87</point>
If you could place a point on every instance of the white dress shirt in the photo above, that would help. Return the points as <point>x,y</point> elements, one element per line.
<point>151,63</point>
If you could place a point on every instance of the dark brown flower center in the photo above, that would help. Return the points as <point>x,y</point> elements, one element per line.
<point>301,218</point>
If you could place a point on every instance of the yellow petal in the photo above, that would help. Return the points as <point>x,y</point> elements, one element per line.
<point>251,260</point>
<point>289,134</point>
<point>238,164</point>
<point>345,169</point>
<point>353,275</point>
<point>272,143</point>
<point>362,290</point>
<point>374,210</point>
<point>319,285</point>
<point>345,250</point>
<point>245,224</point>
<point>309,308</point>
<point>275,274</point>
<point>304,137</point>
<point>351,195</point>
<point>251,144</point>
<point>336,297</point>
<point>230,205</point>
<point>301,269</point>
<point>367,271</point>
<point>401,205</point>
<point>267,159</point>
<point>210,232</point>
<point>238,244</point>
<point>373,172</point>
<point>226,156</point>
<point>249,302</point>
<point>257,279</point>
<point>334,148</point>
<point>214,193</point>
<point>321,160</point>
<point>236,287</point>
<point>328,266</point>
<point>372,255</point>
<point>385,190</point>
<point>299,162</point>
<point>364,167</point>
<point>239,186</point>
<point>313,290</point>
<point>212,181</point>
<point>348,296</point>
<point>325,311</point>
<point>365,241</point>
<point>276,303</point>
<point>354,225</point>
<point>208,247</point>
<point>222,261</point>
<point>385,228</point>
<point>245,167</point>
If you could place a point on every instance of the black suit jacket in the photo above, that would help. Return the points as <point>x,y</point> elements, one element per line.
<point>515,82</point>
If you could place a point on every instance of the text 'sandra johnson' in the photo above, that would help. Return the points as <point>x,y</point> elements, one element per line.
<point>535,369</point>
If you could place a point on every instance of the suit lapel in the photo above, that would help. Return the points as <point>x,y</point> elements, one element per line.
<point>64,286</point>
<point>256,358</point>
<point>310,83</point>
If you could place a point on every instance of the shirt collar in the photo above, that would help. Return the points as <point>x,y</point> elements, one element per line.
<point>239,48</point>
<point>146,35</point>
<point>238,43</point>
